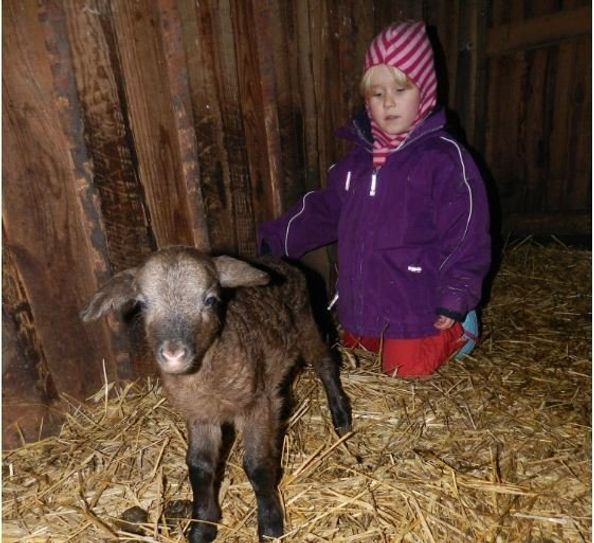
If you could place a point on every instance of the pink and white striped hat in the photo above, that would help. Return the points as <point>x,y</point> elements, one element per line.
<point>404,46</point>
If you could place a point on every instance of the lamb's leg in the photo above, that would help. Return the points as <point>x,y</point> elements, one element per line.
<point>327,367</point>
<point>262,464</point>
<point>202,459</point>
<point>340,406</point>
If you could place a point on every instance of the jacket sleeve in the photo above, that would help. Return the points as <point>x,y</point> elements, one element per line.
<point>307,225</point>
<point>463,229</point>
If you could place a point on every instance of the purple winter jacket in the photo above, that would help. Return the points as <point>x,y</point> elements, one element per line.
<point>413,236</point>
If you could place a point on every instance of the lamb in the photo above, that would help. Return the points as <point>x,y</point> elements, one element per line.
<point>226,336</point>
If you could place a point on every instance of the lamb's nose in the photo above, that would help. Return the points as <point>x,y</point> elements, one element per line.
<point>173,352</point>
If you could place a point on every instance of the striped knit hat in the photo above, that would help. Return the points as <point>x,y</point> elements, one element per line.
<point>404,46</point>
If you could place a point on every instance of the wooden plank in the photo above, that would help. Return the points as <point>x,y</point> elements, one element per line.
<point>50,210</point>
<point>386,13</point>
<point>539,31</point>
<point>186,147</point>
<point>163,166</point>
<point>28,391</point>
<point>560,143</point>
<point>362,30</point>
<point>16,304</point>
<point>461,29</point>
<point>504,148</point>
<point>213,159</point>
<point>535,127</point>
<point>308,95</point>
<point>323,66</point>
<point>333,65</point>
<point>461,63</point>
<point>539,8</point>
<point>466,62</point>
<point>579,172</point>
<point>476,136</point>
<point>443,26</point>
<point>325,116</point>
<point>353,28</point>
<point>572,4</point>
<point>504,12</point>
<point>256,85</point>
<point>233,124</point>
<point>289,109</point>
<point>98,76</point>
<point>263,22</point>
<point>26,415</point>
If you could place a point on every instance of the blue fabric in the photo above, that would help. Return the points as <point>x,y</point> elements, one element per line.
<point>471,331</point>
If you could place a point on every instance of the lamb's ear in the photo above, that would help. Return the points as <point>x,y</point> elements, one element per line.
<point>236,273</point>
<point>111,296</point>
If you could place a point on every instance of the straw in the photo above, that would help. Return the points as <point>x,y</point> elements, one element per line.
<point>496,447</point>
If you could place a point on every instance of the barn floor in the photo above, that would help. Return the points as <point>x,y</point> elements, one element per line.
<point>494,448</point>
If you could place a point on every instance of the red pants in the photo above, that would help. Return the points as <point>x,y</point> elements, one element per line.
<point>414,357</point>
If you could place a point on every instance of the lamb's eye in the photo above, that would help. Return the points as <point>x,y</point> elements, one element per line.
<point>211,301</point>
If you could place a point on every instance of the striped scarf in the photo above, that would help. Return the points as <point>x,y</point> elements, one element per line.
<point>404,46</point>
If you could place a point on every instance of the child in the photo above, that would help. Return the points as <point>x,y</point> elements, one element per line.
<point>408,209</point>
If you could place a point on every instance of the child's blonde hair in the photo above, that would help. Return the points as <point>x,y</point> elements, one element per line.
<point>400,78</point>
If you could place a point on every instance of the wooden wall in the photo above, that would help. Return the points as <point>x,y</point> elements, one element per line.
<point>538,119</point>
<point>133,124</point>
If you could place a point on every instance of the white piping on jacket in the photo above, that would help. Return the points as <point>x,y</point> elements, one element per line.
<point>347,183</point>
<point>292,219</point>
<point>332,302</point>
<point>373,183</point>
<point>470,202</point>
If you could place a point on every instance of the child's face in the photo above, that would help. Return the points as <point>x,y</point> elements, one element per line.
<point>393,107</point>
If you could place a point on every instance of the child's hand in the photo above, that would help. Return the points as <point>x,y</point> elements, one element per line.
<point>443,323</point>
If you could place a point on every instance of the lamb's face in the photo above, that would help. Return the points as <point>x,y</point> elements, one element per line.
<point>179,289</point>
<point>180,295</point>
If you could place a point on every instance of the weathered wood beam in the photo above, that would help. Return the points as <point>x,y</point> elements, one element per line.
<point>28,390</point>
<point>156,88</point>
<point>50,209</point>
<point>99,82</point>
<point>565,24</point>
<point>186,148</point>
<point>202,58</point>
<point>251,21</point>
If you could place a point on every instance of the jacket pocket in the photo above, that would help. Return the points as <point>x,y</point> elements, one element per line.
<point>412,280</point>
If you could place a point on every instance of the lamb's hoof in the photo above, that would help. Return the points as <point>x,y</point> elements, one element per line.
<point>202,533</point>
<point>344,430</point>
<point>272,528</point>
<point>271,535</point>
<point>343,421</point>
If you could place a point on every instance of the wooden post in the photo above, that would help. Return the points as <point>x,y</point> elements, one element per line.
<point>257,91</point>
<point>51,213</point>
<point>206,96</point>
<point>28,390</point>
<point>99,82</point>
<point>155,83</point>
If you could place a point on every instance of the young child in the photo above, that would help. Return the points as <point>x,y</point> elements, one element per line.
<point>408,209</point>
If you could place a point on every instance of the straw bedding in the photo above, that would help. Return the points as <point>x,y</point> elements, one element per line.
<point>494,448</point>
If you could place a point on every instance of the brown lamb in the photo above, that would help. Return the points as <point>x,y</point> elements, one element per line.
<point>226,336</point>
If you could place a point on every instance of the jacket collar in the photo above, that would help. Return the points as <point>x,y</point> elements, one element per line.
<point>359,129</point>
